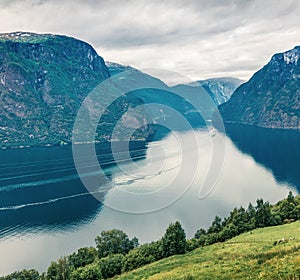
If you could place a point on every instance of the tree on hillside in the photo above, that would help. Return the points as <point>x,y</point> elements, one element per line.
<point>174,240</point>
<point>59,270</point>
<point>216,225</point>
<point>263,213</point>
<point>134,242</point>
<point>251,214</point>
<point>200,232</point>
<point>22,275</point>
<point>143,255</point>
<point>288,208</point>
<point>111,265</point>
<point>88,272</point>
<point>243,221</point>
<point>114,242</point>
<point>291,198</point>
<point>83,257</point>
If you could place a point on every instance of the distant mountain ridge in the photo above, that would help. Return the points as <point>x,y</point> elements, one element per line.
<point>219,89</point>
<point>164,102</point>
<point>271,98</point>
<point>196,102</point>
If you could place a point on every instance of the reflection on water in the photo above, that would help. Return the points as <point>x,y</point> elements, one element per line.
<point>165,187</point>
<point>36,186</point>
<point>276,149</point>
<point>40,189</point>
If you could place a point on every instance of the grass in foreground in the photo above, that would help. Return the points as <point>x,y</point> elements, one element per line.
<point>251,255</point>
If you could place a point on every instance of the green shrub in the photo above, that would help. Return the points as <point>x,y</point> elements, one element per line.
<point>83,257</point>
<point>142,255</point>
<point>192,244</point>
<point>111,265</point>
<point>22,275</point>
<point>59,270</point>
<point>89,272</point>
<point>114,242</point>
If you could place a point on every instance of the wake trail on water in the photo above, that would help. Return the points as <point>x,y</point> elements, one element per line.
<point>50,161</point>
<point>103,189</point>
<point>144,177</point>
<point>49,181</point>
<point>53,200</point>
<point>55,170</point>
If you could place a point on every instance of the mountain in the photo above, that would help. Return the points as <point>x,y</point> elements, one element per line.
<point>219,89</point>
<point>271,98</point>
<point>164,103</point>
<point>195,102</point>
<point>116,68</point>
<point>43,80</point>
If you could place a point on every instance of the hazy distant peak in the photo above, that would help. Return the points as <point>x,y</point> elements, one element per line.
<point>220,89</point>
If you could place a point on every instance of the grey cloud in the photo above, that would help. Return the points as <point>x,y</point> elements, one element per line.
<point>197,37</point>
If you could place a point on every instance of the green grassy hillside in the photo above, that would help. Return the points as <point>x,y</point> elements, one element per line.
<point>252,255</point>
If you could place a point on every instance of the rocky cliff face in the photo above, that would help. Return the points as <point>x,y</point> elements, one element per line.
<point>271,98</point>
<point>43,80</point>
<point>219,89</point>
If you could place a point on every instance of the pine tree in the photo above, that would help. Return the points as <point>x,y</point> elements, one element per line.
<point>263,213</point>
<point>216,225</point>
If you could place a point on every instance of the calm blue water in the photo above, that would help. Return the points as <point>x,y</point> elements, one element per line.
<point>46,212</point>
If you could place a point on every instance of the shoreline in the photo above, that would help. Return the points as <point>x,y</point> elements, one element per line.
<point>69,144</point>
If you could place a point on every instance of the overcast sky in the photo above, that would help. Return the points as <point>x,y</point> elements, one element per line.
<point>199,39</point>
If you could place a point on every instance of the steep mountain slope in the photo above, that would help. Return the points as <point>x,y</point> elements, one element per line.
<point>219,89</point>
<point>271,98</point>
<point>194,102</point>
<point>164,102</point>
<point>43,80</point>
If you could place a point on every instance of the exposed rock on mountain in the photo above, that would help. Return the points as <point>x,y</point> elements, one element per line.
<point>271,98</point>
<point>116,68</point>
<point>43,80</point>
<point>219,89</point>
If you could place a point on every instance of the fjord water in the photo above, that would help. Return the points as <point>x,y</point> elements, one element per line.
<point>46,212</point>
